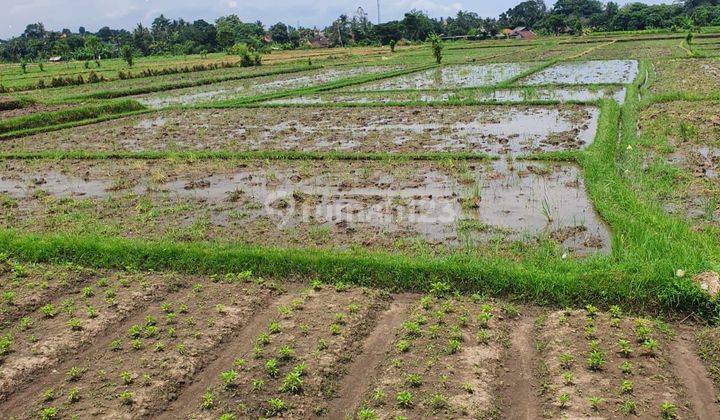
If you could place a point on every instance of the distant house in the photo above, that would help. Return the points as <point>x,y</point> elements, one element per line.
<point>55,59</point>
<point>521,32</point>
<point>319,41</point>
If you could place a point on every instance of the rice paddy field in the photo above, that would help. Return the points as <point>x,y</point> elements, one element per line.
<point>530,229</point>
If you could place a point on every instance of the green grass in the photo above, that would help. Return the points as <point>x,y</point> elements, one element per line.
<point>45,119</point>
<point>181,84</point>
<point>46,129</point>
<point>542,281</point>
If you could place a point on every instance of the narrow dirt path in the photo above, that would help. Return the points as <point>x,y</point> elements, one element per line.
<point>690,370</point>
<point>360,375</point>
<point>243,342</point>
<point>519,400</point>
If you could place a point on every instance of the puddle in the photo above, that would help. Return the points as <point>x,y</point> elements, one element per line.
<point>586,73</point>
<point>452,77</point>
<point>499,95</point>
<point>456,206</point>
<point>253,86</point>
<point>54,183</point>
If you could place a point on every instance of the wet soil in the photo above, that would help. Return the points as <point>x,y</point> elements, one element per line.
<point>247,87</point>
<point>500,95</point>
<point>452,77</point>
<point>684,135</point>
<point>487,129</point>
<point>309,203</point>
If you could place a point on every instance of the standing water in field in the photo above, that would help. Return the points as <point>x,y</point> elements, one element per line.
<point>453,77</point>
<point>587,73</point>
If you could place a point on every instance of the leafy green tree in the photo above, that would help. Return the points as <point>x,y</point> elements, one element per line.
<point>142,39</point>
<point>280,33</point>
<point>92,43</point>
<point>436,43</point>
<point>527,13</point>
<point>418,26</point>
<point>127,54</point>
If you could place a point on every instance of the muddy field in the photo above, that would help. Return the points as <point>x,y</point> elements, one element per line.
<point>516,95</point>
<point>491,130</point>
<point>684,136</point>
<point>238,89</point>
<point>86,343</point>
<point>338,204</point>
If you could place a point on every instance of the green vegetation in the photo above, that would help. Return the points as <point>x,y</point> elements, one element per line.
<point>67,116</point>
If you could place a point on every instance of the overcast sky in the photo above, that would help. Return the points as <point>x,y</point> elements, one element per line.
<point>93,14</point>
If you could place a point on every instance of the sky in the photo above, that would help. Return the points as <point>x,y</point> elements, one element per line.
<point>93,14</point>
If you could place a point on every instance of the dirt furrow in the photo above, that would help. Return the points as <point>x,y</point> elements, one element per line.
<point>55,373</point>
<point>700,389</point>
<point>242,342</point>
<point>375,348</point>
<point>518,394</point>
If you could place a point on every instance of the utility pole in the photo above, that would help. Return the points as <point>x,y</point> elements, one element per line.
<point>378,4</point>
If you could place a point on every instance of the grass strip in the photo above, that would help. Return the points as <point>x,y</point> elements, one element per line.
<point>560,282</point>
<point>111,94</point>
<point>10,103</point>
<point>650,243</point>
<point>50,128</point>
<point>43,119</point>
<point>682,96</point>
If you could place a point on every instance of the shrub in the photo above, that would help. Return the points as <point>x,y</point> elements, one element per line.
<point>248,58</point>
<point>437,46</point>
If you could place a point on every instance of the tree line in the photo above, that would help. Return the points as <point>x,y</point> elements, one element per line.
<point>165,36</point>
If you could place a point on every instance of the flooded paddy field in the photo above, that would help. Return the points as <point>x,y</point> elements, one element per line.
<point>586,73</point>
<point>247,87</point>
<point>682,141</point>
<point>519,95</point>
<point>494,130</point>
<point>307,203</point>
<point>452,77</point>
<point>673,76</point>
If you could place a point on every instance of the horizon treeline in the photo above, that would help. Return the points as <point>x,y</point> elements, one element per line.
<point>165,36</point>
